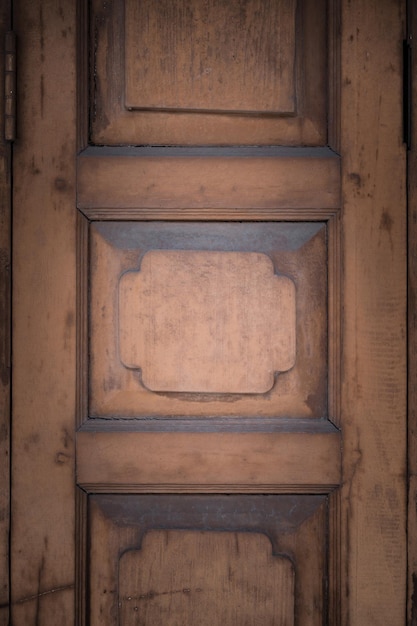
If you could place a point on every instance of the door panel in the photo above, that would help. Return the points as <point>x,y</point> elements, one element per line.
<point>251,557</point>
<point>208,72</point>
<point>206,351</point>
<point>237,396</point>
<point>231,319</point>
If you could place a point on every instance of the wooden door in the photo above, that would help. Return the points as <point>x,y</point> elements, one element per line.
<point>209,299</point>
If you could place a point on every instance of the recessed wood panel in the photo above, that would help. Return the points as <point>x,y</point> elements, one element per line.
<point>206,578</point>
<point>208,72</point>
<point>281,287</point>
<point>192,559</point>
<point>210,55</point>
<point>215,322</point>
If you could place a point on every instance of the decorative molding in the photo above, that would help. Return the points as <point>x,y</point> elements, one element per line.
<point>81,556</point>
<point>138,183</point>
<point>334,318</point>
<point>145,458</point>
<point>296,526</point>
<point>207,321</point>
<point>82,319</point>
<point>113,123</point>
<point>228,488</point>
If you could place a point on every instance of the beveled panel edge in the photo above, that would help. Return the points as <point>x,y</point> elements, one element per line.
<point>176,180</point>
<point>81,555</point>
<point>210,151</point>
<point>185,488</point>
<point>112,123</point>
<point>310,426</point>
<point>82,319</point>
<point>205,215</point>
<point>88,422</point>
<point>335,565</point>
<point>226,461</point>
<point>334,73</point>
<point>290,521</point>
<point>334,279</point>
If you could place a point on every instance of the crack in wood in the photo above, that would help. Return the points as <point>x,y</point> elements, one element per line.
<point>153,594</point>
<point>36,596</point>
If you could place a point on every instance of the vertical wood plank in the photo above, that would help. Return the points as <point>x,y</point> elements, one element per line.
<point>5,298</point>
<point>44,317</point>
<point>374,339</point>
<point>412,331</point>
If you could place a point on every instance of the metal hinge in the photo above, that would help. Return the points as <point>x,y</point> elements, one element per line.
<point>407,91</point>
<point>10,86</point>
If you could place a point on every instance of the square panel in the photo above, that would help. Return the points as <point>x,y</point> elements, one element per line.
<point>226,319</point>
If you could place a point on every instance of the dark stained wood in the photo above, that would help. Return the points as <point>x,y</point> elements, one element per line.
<point>5,331</point>
<point>119,27</point>
<point>82,74</point>
<point>412,332</point>
<point>334,71</point>
<point>81,551</point>
<point>296,528</point>
<point>214,425</point>
<point>82,318</point>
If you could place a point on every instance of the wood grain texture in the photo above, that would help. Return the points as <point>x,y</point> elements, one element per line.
<point>296,527</point>
<point>203,577</point>
<point>133,180</point>
<point>170,67</point>
<point>137,462</point>
<point>207,321</point>
<point>298,252</point>
<point>5,330</point>
<point>374,304</point>
<point>210,56</point>
<point>44,317</point>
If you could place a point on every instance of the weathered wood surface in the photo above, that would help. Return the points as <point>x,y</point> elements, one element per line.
<point>5,329</point>
<point>44,317</point>
<point>211,56</point>
<point>133,180</point>
<point>412,334</point>
<point>296,527</point>
<point>298,252</point>
<point>188,96</point>
<point>109,461</point>
<point>371,553</point>
<point>207,321</point>
<point>205,578</point>
<point>374,305</point>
